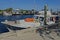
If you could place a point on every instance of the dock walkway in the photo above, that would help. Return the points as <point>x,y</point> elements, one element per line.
<point>26,34</point>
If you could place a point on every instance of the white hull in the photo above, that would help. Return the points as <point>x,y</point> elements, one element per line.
<point>22,23</point>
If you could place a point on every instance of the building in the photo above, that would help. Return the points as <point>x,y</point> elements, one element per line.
<point>42,13</point>
<point>16,11</point>
<point>6,14</point>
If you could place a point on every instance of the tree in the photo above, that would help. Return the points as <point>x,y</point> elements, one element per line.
<point>9,9</point>
<point>1,11</point>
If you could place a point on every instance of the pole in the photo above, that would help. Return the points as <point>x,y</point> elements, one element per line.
<point>34,10</point>
<point>45,14</point>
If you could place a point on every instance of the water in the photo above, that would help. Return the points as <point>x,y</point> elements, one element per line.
<point>3,27</point>
<point>16,17</point>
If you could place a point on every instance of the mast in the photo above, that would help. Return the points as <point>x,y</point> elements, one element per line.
<point>34,9</point>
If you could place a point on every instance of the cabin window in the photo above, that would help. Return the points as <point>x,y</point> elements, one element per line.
<point>36,17</point>
<point>57,18</point>
<point>41,18</point>
<point>51,18</point>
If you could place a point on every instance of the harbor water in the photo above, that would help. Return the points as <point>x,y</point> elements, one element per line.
<point>3,27</point>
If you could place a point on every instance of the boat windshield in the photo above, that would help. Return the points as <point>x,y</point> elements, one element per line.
<point>41,18</point>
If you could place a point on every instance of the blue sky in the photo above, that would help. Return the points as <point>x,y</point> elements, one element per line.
<point>29,4</point>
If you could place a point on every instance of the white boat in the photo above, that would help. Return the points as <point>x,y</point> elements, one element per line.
<point>21,23</point>
<point>24,24</point>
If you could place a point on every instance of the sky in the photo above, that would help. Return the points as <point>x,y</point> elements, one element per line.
<point>29,4</point>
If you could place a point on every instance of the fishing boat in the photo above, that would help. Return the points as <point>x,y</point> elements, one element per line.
<point>37,21</point>
<point>22,23</point>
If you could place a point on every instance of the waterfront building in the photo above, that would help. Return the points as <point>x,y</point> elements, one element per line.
<point>6,13</point>
<point>42,13</point>
<point>16,11</point>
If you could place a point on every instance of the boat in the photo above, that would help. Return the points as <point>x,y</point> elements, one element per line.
<point>21,23</point>
<point>37,21</point>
